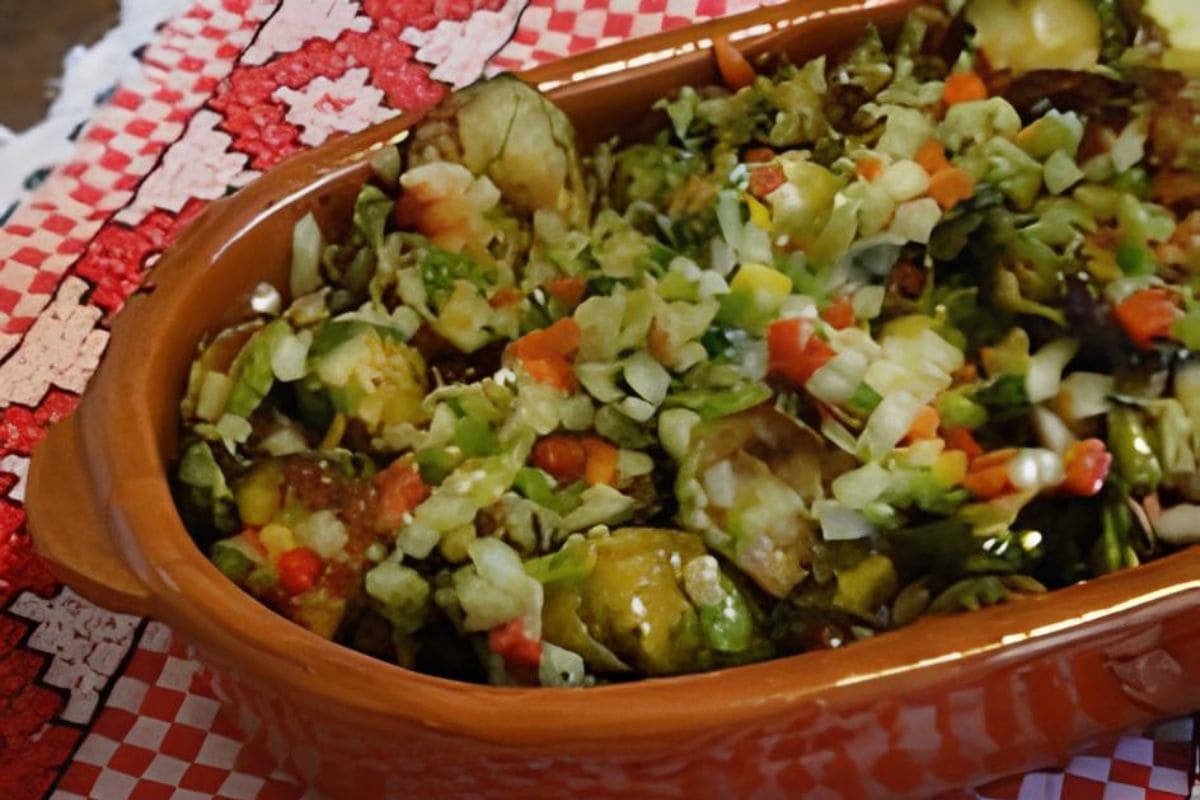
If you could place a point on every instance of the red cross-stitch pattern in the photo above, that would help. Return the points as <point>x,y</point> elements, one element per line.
<point>145,165</point>
<point>119,146</point>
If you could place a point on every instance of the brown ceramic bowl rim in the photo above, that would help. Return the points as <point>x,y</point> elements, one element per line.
<point>153,566</point>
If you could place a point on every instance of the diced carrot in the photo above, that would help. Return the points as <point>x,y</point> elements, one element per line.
<point>839,313</point>
<point>736,72</point>
<point>552,370</point>
<point>993,459</point>
<point>951,186</point>
<point>601,461</point>
<point>511,642</point>
<point>967,373</point>
<point>759,155</point>
<point>1147,315</point>
<point>562,455</point>
<point>961,439</point>
<point>546,354</point>
<point>561,338</point>
<point>924,425</point>
<point>658,342</point>
<point>1086,464</point>
<point>400,490</point>
<point>298,570</point>
<point>568,291</point>
<point>764,180</point>
<point>987,483</point>
<point>869,168</point>
<point>963,87</point>
<point>932,157</point>
<point>505,297</point>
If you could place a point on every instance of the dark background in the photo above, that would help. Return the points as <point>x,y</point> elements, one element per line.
<point>34,37</point>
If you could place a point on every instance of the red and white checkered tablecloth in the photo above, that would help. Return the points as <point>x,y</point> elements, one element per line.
<point>102,705</point>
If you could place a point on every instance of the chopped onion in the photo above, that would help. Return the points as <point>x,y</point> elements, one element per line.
<point>306,256</point>
<point>647,377</point>
<point>290,356</point>
<point>323,533</point>
<point>1179,524</point>
<point>858,488</point>
<point>265,299</point>
<point>417,540</point>
<point>722,259</point>
<point>838,380</point>
<point>888,423</point>
<point>214,393</point>
<point>904,180</point>
<point>560,667</point>
<point>602,505</point>
<point>1044,377</point>
<point>719,484</point>
<point>234,428</point>
<point>577,412</point>
<point>1035,468</point>
<point>1051,431</point>
<point>633,463</point>
<point>867,301</point>
<point>799,305</point>
<point>839,524</point>
<point>675,430</point>
<point>916,219</point>
<point>702,581</point>
<point>1085,394</point>
<point>600,380</point>
<point>636,409</point>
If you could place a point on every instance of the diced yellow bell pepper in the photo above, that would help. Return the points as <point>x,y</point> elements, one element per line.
<point>277,539</point>
<point>761,278</point>
<point>951,467</point>
<point>258,498</point>
<point>760,215</point>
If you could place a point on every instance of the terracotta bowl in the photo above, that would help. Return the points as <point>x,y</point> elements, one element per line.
<point>949,702</point>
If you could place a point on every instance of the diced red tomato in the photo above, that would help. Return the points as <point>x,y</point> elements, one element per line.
<point>794,351</point>
<point>562,455</point>
<point>568,291</point>
<point>736,72</point>
<point>601,461</point>
<point>400,491</point>
<point>906,278</point>
<point>298,570</point>
<point>511,642</point>
<point>839,313</point>
<point>1087,464</point>
<point>1147,315</point>
<point>764,180</point>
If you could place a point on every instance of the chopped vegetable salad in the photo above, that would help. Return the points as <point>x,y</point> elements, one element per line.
<point>901,332</point>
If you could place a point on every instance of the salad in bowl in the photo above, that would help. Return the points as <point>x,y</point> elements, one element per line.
<point>831,347</point>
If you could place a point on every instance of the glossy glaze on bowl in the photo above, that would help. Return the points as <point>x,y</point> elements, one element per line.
<point>949,702</point>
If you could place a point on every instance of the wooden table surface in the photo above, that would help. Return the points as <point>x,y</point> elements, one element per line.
<point>34,37</point>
